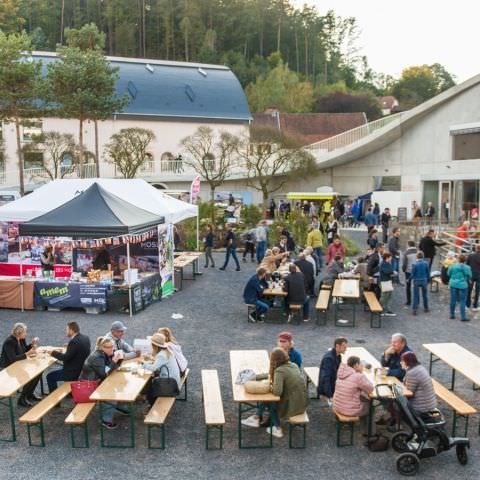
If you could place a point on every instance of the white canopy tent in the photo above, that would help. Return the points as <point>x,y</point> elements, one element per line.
<point>135,191</point>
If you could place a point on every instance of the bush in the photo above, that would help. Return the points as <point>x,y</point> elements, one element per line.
<point>351,248</point>
<point>251,215</point>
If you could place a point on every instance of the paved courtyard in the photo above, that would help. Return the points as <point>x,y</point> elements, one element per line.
<point>214,322</point>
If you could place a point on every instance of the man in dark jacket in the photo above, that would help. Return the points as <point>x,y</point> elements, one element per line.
<point>473,261</point>
<point>428,246</point>
<point>231,246</point>
<point>294,285</point>
<point>14,349</point>
<point>78,349</point>
<point>253,295</point>
<point>391,356</point>
<point>385,222</point>
<point>308,274</point>
<point>373,268</point>
<point>329,366</point>
<point>394,249</point>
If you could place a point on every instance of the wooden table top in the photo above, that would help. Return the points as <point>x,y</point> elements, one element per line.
<point>367,357</point>
<point>180,262</point>
<point>274,292</point>
<point>346,288</point>
<point>457,357</point>
<point>18,374</point>
<point>121,387</point>
<point>256,360</point>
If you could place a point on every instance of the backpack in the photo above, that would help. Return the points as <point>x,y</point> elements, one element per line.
<point>444,275</point>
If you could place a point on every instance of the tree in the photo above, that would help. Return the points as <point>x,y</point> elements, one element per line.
<point>272,158</point>
<point>55,147</point>
<point>280,88</point>
<point>211,155</point>
<point>339,102</point>
<point>81,85</point>
<point>11,20</point>
<point>128,150</point>
<point>20,86</point>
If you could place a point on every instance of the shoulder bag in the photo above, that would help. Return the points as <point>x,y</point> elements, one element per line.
<point>386,286</point>
<point>164,386</point>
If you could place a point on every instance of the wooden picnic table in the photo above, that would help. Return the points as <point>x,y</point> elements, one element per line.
<point>258,361</point>
<point>346,290</point>
<point>123,387</point>
<point>16,376</point>
<point>458,358</point>
<point>184,259</point>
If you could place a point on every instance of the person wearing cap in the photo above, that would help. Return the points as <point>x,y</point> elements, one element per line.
<point>285,341</point>
<point>419,382</point>
<point>116,334</point>
<point>163,357</point>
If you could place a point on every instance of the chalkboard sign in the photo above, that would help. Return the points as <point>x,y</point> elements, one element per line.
<point>137,302</point>
<point>402,214</point>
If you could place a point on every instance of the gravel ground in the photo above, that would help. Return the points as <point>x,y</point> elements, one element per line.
<point>214,322</point>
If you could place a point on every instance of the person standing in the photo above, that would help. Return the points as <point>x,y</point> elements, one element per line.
<point>253,295</point>
<point>394,249</point>
<point>329,366</point>
<point>332,229</point>
<point>208,246</point>
<point>370,220</point>
<point>261,238</point>
<point>428,246</point>
<point>460,275</point>
<point>272,208</point>
<point>372,239</point>
<point>429,212</point>
<point>420,277</point>
<point>386,284</point>
<point>385,222</point>
<point>249,246</point>
<point>462,236</point>
<point>308,274</point>
<point>376,212</point>
<point>46,259</point>
<point>409,258</point>
<point>314,240</point>
<point>473,261</point>
<point>78,349</point>
<point>231,246</point>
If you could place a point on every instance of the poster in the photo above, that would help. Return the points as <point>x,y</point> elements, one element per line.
<point>165,258</point>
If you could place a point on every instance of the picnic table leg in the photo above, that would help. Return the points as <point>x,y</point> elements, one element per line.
<point>13,434</point>
<point>453,379</point>
<point>431,364</point>
<point>131,414</point>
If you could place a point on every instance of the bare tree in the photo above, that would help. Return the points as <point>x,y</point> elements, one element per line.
<point>55,147</point>
<point>272,158</point>
<point>211,156</point>
<point>128,150</point>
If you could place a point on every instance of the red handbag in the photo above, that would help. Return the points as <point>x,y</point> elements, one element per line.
<point>82,389</point>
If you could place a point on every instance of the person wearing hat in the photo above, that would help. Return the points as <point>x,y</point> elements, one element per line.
<point>285,342</point>
<point>116,334</point>
<point>163,357</point>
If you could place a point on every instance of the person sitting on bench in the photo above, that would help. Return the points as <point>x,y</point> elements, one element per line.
<point>253,294</point>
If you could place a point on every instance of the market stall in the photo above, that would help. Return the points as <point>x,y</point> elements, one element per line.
<point>102,222</point>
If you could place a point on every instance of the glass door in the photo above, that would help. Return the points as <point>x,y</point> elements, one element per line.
<point>445,201</point>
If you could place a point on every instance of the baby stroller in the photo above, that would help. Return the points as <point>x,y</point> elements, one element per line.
<point>427,436</point>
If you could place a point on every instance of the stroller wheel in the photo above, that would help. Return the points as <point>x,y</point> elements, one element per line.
<point>462,455</point>
<point>408,464</point>
<point>400,441</point>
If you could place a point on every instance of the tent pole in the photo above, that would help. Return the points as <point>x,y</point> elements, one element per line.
<point>128,278</point>
<point>198,230</point>
<point>21,273</point>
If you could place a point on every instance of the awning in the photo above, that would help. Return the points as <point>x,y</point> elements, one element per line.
<point>312,195</point>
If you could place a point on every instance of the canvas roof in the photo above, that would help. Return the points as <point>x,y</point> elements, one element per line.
<point>135,191</point>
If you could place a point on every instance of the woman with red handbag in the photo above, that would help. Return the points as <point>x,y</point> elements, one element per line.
<point>98,365</point>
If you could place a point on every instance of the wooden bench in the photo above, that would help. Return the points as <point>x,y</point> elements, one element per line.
<point>435,282</point>
<point>298,422</point>
<point>34,417</point>
<point>345,423</point>
<point>212,405</point>
<point>460,407</point>
<point>325,286</point>
<point>375,308</point>
<point>296,309</point>
<point>77,418</point>
<point>159,411</point>
<point>322,305</point>
<point>312,374</point>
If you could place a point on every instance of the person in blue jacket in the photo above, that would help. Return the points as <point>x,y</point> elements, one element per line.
<point>285,341</point>
<point>420,276</point>
<point>329,366</point>
<point>253,294</point>
<point>391,356</point>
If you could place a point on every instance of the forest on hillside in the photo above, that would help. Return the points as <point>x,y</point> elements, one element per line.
<point>288,57</point>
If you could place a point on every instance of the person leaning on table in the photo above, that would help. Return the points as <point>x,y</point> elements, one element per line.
<point>101,362</point>
<point>116,334</point>
<point>15,348</point>
<point>163,357</point>
<point>287,382</point>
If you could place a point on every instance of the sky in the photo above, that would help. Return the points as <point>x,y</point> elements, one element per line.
<point>395,35</point>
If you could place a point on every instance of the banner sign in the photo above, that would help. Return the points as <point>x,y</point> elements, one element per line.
<point>165,257</point>
<point>70,295</point>
<point>195,189</point>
